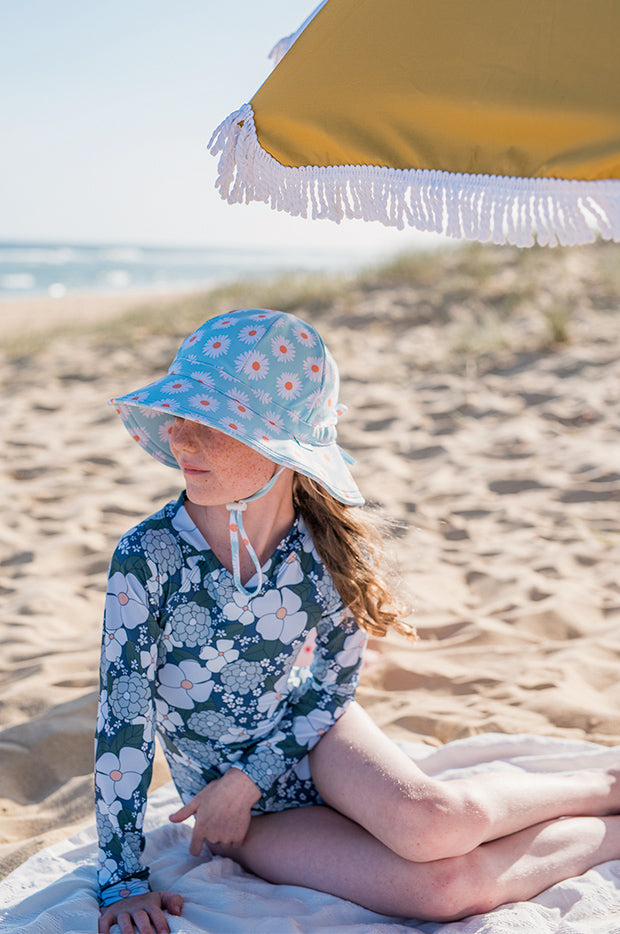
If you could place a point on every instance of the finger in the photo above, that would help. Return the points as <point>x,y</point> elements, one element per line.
<point>142,922</point>
<point>159,921</point>
<point>125,923</point>
<point>172,902</point>
<point>183,813</point>
<point>104,924</point>
<point>197,841</point>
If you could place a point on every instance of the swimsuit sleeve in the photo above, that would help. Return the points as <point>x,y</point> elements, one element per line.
<point>321,693</point>
<point>124,747</point>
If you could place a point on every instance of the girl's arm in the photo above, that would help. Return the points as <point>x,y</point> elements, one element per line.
<point>324,691</point>
<point>125,727</point>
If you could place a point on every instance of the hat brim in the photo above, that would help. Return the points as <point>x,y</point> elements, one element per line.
<point>148,415</point>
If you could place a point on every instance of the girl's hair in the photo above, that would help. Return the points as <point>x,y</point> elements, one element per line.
<point>350,545</point>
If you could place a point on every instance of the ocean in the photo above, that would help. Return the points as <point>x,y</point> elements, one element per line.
<point>56,269</point>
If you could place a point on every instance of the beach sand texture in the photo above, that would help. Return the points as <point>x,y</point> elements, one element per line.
<point>483,387</point>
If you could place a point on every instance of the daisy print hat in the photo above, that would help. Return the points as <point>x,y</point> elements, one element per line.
<point>263,377</point>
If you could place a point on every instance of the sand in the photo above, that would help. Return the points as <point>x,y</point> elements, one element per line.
<point>483,392</point>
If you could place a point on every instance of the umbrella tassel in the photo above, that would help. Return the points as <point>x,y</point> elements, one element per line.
<point>517,211</point>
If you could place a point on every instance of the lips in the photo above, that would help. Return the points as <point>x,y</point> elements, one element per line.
<point>187,469</point>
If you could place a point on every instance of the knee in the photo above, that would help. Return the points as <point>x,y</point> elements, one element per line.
<point>457,888</point>
<point>447,820</point>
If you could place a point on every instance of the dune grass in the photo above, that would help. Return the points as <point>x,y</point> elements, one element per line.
<point>495,298</point>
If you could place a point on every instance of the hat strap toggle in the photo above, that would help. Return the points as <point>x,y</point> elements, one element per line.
<point>237,533</point>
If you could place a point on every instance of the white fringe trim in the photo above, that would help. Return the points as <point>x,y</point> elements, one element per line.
<point>494,208</point>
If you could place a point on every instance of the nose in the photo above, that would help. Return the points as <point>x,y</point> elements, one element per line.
<point>182,434</point>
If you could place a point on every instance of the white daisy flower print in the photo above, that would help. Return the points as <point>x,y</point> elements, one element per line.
<point>119,776</point>
<point>179,385</point>
<point>313,368</point>
<point>126,602</point>
<point>205,402</point>
<point>253,364</point>
<point>185,684</point>
<point>239,404</point>
<point>216,346</point>
<point>164,430</point>
<point>288,386</point>
<point>204,378</point>
<point>251,333</point>
<point>274,421</point>
<point>304,336</point>
<point>223,654</point>
<point>280,615</point>
<point>283,349</point>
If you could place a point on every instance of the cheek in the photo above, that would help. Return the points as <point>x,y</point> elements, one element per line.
<point>240,463</point>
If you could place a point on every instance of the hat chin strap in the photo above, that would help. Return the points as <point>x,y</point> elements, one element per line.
<point>237,533</point>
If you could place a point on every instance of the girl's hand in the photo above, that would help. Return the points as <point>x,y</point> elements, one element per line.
<point>142,913</point>
<point>222,811</point>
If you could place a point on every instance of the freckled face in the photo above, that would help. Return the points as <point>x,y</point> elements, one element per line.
<point>218,469</point>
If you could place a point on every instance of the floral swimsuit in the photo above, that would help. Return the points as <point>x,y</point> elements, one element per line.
<point>216,674</point>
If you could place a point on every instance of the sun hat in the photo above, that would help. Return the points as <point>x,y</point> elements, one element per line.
<point>263,377</point>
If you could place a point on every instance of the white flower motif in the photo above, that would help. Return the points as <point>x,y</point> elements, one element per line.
<point>106,868</point>
<point>238,609</point>
<point>280,616</point>
<point>223,654</point>
<point>164,429</point>
<point>183,684</point>
<point>126,602</point>
<point>168,718</point>
<point>313,368</point>
<point>114,639</point>
<point>283,349</point>
<point>103,710</point>
<point>202,376</point>
<point>290,572</point>
<point>179,385</point>
<point>149,727</point>
<point>239,404</point>
<point>251,333</point>
<point>148,660</point>
<point>204,403</point>
<point>309,728</point>
<point>269,702</point>
<point>216,346</point>
<point>252,364</point>
<point>304,336</point>
<point>288,386</point>
<point>274,421</point>
<point>119,776</point>
<point>353,647</point>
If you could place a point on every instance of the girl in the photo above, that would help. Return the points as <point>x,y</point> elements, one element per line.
<point>209,604</point>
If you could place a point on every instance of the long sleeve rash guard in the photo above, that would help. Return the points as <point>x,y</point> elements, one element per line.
<point>215,674</point>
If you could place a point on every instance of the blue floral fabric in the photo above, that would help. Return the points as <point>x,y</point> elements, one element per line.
<point>215,674</point>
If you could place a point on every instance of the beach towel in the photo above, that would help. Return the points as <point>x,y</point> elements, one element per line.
<point>54,891</point>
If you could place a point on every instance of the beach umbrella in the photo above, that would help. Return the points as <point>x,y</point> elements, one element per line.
<point>493,120</point>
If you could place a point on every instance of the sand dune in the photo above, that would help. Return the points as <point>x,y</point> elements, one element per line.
<point>494,450</point>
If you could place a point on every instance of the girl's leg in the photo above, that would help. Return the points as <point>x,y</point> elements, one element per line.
<point>365,776</point>
<point>320,849</point>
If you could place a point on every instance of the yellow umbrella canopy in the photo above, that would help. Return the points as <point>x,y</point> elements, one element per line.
<point>490,120</point>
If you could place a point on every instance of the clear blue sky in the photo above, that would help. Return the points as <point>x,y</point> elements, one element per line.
<point>106,112</point>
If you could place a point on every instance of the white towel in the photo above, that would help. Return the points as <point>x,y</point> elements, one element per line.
<point>54,892</point>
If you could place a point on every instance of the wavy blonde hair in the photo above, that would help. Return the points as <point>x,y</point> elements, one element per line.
<point>350,547</point>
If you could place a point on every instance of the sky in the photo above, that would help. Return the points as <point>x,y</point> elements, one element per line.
<point>107,112</point>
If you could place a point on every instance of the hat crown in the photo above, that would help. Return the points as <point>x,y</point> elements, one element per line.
<point>270,364</point>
